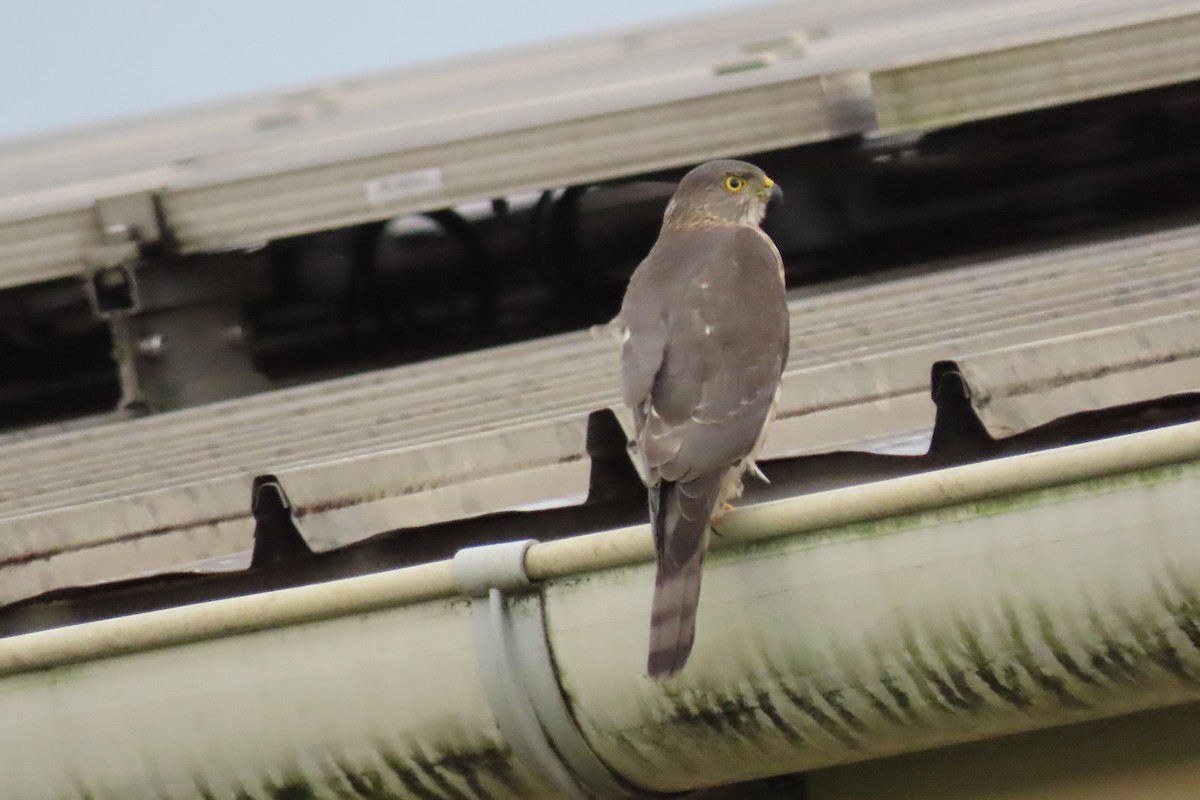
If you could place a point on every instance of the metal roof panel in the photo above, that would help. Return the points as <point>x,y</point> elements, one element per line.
<point>1039,336</point>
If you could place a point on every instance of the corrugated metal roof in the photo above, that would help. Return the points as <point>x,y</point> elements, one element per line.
<point>237,174</point>
<point>1038,337</point>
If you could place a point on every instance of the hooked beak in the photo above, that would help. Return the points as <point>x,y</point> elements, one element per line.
<point>770,191</point>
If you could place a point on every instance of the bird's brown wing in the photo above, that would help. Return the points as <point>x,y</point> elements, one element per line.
<point>708,339</point>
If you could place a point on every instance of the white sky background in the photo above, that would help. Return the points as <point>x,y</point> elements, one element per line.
<point>69,62</point>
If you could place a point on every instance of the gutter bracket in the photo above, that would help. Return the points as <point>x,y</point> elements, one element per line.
<point>519,676</point>
<point>277,539</point>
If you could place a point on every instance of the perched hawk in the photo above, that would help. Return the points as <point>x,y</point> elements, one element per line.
<point>705,322</point>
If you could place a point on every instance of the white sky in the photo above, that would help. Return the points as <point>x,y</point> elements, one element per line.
<point>69,62</point>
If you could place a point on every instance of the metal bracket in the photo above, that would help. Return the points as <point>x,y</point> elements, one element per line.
<point>958,433</point>
<point>849,103</point>
<point>113,293</point>
<point>519,676</point>
<point>125,223</point>
<point>113,289</point>
<point>277,539</point>
<point>129,218</point>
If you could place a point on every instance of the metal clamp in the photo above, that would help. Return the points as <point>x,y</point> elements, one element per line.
<point>519,677</point>
<point>125,224</point>
<point>849,103</point>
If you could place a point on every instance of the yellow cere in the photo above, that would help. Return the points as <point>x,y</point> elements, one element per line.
<point>768,183</point>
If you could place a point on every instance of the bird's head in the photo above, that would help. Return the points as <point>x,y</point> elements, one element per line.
<point>722,192</point>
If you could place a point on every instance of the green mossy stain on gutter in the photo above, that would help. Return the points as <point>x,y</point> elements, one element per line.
<point>767,706</point>
<point>407,777</point>
<point>1024,655</point>
<point>433,770</point>
<point>1185,611</point>
<point>805,703</point>
<point>601,578</point>
<point>293,789</point>
<point>878,706</point>
<point>366,784</point>
<point>912,666</point>
<point>923,673</point>
<point>1188,621</point>
<point>833,698</point>
<point>1111,656</point>
<point>491,762</point>
<point>1031,669</point>
<point>1059,650</point>
<point>946,648</point>
<point>898,695</point>
<point>1026,664</point>
<point>1154,644</point>
<point>699,712</point>
<point>1167,657</point>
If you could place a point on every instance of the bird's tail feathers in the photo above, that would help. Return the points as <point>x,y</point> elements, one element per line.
<point>680,519</point>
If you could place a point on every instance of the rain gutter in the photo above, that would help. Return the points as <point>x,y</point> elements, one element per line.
<point>912,613</point>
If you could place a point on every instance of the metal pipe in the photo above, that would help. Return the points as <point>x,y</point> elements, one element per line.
<point>228,617</point>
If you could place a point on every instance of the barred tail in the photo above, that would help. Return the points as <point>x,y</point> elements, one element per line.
<point>679,518</point>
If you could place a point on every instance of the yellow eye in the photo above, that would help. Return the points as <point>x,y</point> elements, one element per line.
<point>734,183</point>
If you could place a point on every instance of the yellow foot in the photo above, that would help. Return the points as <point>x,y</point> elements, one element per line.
<point>716,515</point>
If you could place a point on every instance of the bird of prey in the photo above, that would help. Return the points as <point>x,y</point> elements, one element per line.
<point>705,327</point>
